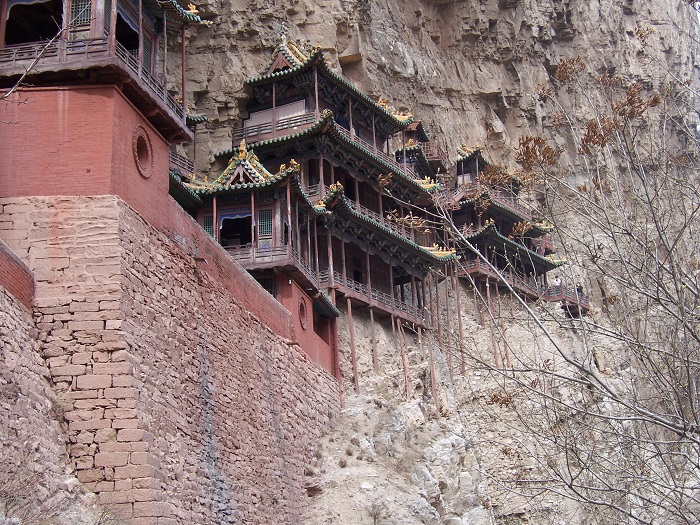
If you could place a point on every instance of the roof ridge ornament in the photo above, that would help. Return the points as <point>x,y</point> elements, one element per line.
<point>242,152</point>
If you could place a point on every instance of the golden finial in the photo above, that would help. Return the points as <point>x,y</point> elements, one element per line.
<point>191,8</point>
<point>283,167</point>
<point>293,164</point>
<point>241,150</point>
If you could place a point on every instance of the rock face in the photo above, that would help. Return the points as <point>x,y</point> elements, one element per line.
<point>469,69</point>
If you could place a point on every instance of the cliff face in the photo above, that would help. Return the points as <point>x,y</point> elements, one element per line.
<point>468,69</point>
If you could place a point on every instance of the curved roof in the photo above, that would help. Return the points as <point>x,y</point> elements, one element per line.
<point>299,60</point>
<point>337,202</point>
<point>489,230</point>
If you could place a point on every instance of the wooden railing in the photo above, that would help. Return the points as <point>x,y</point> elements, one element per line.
<point>525,284</point>
<point>544,243</point>
<point>247,256</point>
<point>396,228</point>
<point>178,161</point>
<point>567,295</point>
<point>380,298</point>
<point>65,51</point>
<point>434,152</point>
<point>398,168</point>
<point>265,128</point>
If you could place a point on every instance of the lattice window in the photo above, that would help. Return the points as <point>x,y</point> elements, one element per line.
<point>80,12</point>
<point>209,224</point>
<point>147,53</point>
<point>108,16</point>
<point>269,284</point>
<point>265,223</point>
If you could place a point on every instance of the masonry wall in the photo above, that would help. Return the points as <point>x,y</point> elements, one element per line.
<point>33,442</point>
<point>187,399</point>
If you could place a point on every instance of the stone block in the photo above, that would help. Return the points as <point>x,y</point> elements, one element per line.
<point>87,476</point>
<point>104,486</point>
<point>111,368</point>
<point>111,459</point>
<point>152,508</point>
<point>124,392</point>
<point>93,382</point>
<point>123,381</point>
<point>146,483</point>
<point>135,471</point>
<point>86,325</point>
<point>68,370</point>
<point>117,496</point>
<point>81,358</point>
<point>125,423</point>
<point>90,424</point>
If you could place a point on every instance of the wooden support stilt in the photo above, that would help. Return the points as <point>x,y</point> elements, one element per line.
<point>448,342</point>
<point>437,311</point>
<point>455,280</point>
<point>404,357</point>
<point>351,326</point>
<point>433,379</point>
<point>375,357</point>
<point>496,359</point>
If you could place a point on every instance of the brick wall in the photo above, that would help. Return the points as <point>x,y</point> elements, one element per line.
<point>186,401</point>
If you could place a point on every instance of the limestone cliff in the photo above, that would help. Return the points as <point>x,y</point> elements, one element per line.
<point>470,70</point>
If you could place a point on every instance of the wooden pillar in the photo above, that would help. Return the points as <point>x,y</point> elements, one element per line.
<point>357,193</point>
<point>253,224</point>
<point>165,44</point>
<point>321,178</point>
<point>448,344</point>
<point>297,228</point>
<point>425,308</point>
<point>140,55</point>
<point>404,358</point>
<point>391,282</point>
<point>290,241</point>
<point>455,281</point>
<point>3,22</point>
<point>369,277</point>
<point>375,357</point>
<point>433,379</point>
<point>351,327</point>
<point>113,31</point>
<point>374,133</point>
<point>352,129</point>
<point>318,270</point>
<point>215,221</point>
<point>274,108</point>
<point>491,327</point>
<point>331,278</point>
<point>344,265</point>
<point>182,63</point>
<point>316,88</point>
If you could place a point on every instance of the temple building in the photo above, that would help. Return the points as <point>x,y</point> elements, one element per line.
<point>313,200</point>
<point>485,207</point>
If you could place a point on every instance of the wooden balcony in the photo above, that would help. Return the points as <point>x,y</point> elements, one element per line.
<point>285,257</point>
<point>264,131</point>
<point>61,60</point>
<point>525,285</point>
<point>575,303</point>
<point>181,163</point>
<point>543,244</point>
<point>382,301</point>
<point>436,155</point>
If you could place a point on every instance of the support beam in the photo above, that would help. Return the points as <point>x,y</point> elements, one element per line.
<point>404,357</point>
<point>448,343</point>
<point>182,63</point>
<point>351,327</point>
<point>375,357</point>
<point>455,281</point>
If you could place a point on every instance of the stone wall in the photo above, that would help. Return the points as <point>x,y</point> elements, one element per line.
<point>183,406</point>
<point>33,454</point>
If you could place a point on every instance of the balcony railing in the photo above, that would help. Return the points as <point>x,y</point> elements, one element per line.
<point>248,257</point>
<point>398,168</point>
<point>394,227</point>
<point>259,130</point>
<point>377,297</point>
<point>544,243</point>
<point>433,152</point>
<point>65,51</point>
<point>525,284</point>
<point>567,295</point>
<point>178,161</point>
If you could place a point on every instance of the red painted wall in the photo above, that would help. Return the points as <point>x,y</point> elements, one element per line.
<point>15,277</point>
<point>292,296</point>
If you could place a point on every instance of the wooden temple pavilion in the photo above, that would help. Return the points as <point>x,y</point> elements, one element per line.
<point>123,42</point>
<point>485,206</point>
<point>349,222</point>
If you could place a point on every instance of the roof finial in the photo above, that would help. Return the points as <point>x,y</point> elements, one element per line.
<point>283,33</point>
<point>242,153</point>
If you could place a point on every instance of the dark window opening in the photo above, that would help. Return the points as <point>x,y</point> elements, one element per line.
<point>236,232</point>
<point>269,284</point>
<point>126,36</point>
<point>33,22</point>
